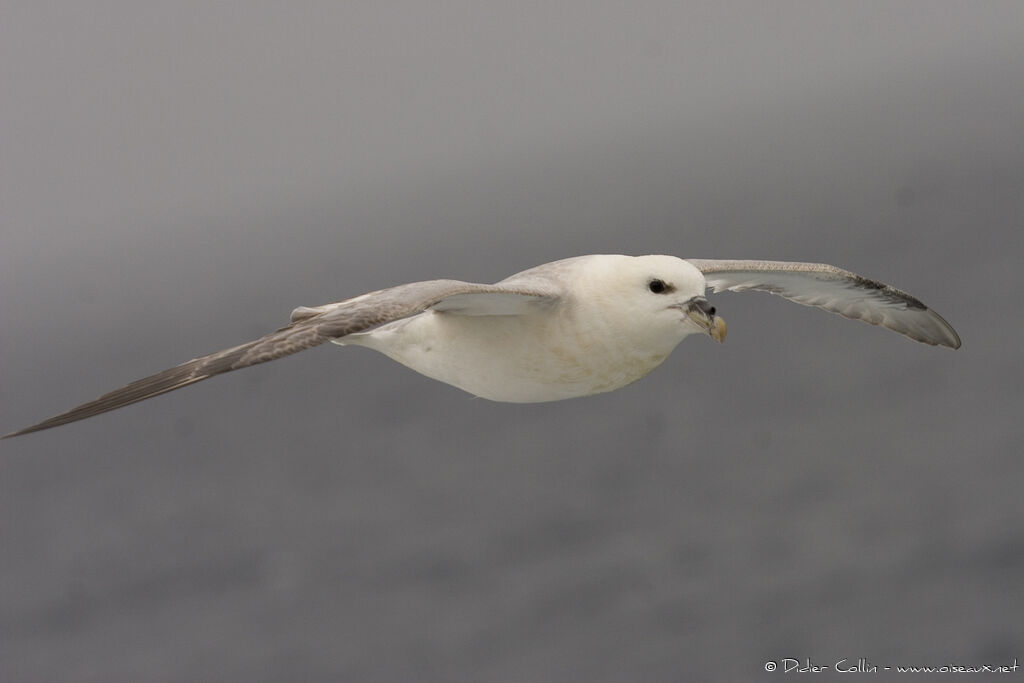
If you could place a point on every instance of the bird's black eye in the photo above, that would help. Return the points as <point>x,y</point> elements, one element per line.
<point>657,286</point>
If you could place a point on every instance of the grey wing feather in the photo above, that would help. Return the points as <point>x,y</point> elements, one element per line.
<point>310,327</point>
<point>836,290</point>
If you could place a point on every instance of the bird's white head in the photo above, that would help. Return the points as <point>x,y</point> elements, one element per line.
<point>659,298</point>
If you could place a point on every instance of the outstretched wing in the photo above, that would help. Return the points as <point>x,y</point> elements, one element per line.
<point>836,290</point>
<point>311,327</point>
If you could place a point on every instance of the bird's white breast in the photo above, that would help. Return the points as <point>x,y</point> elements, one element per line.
<point>518,358</point>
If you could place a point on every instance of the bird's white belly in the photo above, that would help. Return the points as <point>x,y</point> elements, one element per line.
<point>517,359</point>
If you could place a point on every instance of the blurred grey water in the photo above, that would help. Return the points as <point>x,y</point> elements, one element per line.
<point>174,179</point>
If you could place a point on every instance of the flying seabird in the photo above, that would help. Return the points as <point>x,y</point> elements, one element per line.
<point>565,329</point>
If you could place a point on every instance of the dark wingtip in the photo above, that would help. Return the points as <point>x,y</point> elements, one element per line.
<point>956,338</point>
<point>45,424</point>
<point>20,432</point>
<point>952,338</point>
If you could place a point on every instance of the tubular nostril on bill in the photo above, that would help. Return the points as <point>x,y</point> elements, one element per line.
<point>704,305</point>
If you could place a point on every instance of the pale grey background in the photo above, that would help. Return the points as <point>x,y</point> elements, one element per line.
<point>175,178</point>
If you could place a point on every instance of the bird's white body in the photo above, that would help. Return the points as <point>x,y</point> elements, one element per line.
<point>606,330</point>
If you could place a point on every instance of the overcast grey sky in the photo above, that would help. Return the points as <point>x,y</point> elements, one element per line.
<point>176,177</point>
